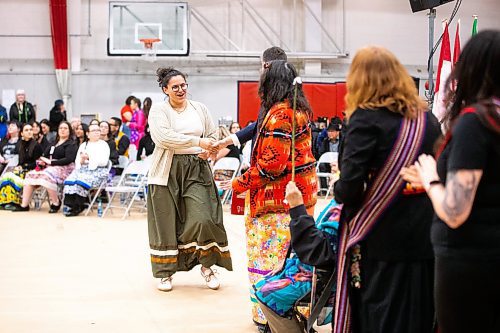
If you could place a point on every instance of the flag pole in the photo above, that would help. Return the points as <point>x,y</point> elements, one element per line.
<point>296,83</point>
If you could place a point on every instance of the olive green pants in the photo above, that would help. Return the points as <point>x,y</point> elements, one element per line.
<point>185,220</point>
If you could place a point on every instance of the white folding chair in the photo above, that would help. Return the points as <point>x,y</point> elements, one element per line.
<point>123,162</point>
<point>326,158</point>
<point>133,181</point>
<point>132,153</point>
<point>226,169</point>
<point>13,162</point>
<point>97,190</point>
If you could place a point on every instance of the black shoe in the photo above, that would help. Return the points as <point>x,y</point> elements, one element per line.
<point>54,208</point>
<point>21,209</point>
<point>10,206</point>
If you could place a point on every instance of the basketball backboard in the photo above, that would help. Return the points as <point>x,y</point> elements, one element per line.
<point>130,23</point>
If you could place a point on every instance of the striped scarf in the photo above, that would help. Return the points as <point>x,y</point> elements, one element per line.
<point>385,188</point>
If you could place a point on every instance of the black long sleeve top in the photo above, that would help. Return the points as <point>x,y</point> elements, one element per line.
<point>403,231</point>
<point>63,154</point>
<point>26,160</point>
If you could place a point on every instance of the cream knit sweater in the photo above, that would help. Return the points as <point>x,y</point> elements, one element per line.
<point>167,140</point>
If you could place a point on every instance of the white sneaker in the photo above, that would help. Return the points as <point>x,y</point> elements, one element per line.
<point>210,278</point>
<point>165,284</point>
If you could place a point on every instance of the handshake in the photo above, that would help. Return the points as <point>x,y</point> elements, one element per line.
<point>211,147</point>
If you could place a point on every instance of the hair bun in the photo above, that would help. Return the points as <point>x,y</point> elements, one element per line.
<point>163,72</point>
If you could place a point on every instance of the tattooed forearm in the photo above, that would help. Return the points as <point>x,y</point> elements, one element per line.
<point>459,194</point>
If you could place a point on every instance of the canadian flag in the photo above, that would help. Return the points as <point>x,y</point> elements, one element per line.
<point>444,70</point>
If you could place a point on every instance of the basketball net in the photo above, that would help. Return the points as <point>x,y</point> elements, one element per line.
<point>149,48</point>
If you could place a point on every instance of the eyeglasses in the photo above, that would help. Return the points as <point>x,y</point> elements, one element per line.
<point>176,88</point>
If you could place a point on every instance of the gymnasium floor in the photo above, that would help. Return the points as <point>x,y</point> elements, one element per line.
<point>87,274</point>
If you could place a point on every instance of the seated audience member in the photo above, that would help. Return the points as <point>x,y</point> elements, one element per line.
<point>138,122</point>
<point>11,183</point>
<point>38,136</point>
<point>94,121</point>
<point>146,145</point>
<point>8,145</point>
<point>330,144</point>
<point>52,169</point>
<point>122,141</point>
<point>108,138</point>
<point>234,127</point>
<point>229,151</point>
<point>81,134</point>
<point>75,121</point>
<point>323,135</point>
<point>90,170</point>
<point>56,115</point>
<point>47,133</point>
<point>3,122</point>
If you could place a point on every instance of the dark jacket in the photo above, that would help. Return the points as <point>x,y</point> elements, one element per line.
<point>63,154</point>
<point>26,115</point>
<point>3,122</point>
<point>55,118</point>
<point>403,232</point>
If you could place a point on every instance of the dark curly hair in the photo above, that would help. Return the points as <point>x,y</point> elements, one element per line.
<point>165,74</point>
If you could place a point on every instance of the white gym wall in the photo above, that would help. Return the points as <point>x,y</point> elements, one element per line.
<point>100,83</point>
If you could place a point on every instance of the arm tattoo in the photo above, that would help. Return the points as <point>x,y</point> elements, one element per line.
<point>459,194</point>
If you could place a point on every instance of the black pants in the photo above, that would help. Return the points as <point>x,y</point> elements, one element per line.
<point>324,167</point>
<point>467,295</point>
<point>75,202</point>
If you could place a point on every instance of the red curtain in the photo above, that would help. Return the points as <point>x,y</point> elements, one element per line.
<point>59,28</point>
<point>326,99</point>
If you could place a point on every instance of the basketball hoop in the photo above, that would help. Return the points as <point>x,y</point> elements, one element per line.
<point>149,48</point>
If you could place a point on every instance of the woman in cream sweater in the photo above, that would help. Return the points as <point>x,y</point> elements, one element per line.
<point>184,210</point>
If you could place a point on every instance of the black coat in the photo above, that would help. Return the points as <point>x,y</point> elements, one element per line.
<point>26,115</point>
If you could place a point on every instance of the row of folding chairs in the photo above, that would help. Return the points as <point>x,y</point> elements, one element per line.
<point>131,189</point>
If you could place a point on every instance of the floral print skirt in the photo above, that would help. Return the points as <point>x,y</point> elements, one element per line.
<point>268,239</point>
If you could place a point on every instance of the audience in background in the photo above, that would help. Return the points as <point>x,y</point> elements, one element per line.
<point>8,145</point>
<point>122,142</point>
<point>57,114</point>
<point>146,145</point>
<point>75,121</point>
<point>94,121</point>
<point>3,122</point>
<point>121,139</point>
<point>229,151</point>
<point>49,135</point>
<point>146,106</point>
<point>234,127</point>
<point>138,122</point>
<point>81,134</point>
<point>21,110</point>
<point>38,136</point>
<point>126,114</point>
<point>90,170</point>
<point>52,169</point>
<point>324,131</point>
<point>108,138</point>
<point>11,183</point>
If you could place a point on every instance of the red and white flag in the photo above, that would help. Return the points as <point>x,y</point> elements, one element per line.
<point>444,70</point>
<point>456,48</point>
